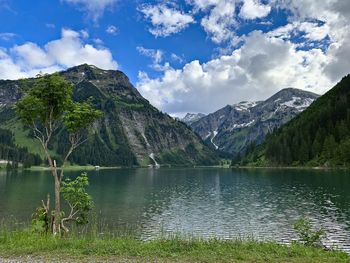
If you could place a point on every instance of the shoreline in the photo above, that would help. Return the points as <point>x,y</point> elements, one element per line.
<point>321,168</point>
<point>26,246</point>
<point>93,168</point>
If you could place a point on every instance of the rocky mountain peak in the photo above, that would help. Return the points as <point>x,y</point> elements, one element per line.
<point>130,132</point>
<point>108,82</point>
<point>233,127</point>
<point>288,93</point>
<point>192,117</point>
<point>91,72</point>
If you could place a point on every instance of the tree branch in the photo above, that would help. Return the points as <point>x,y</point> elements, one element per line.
<point>75,140</point>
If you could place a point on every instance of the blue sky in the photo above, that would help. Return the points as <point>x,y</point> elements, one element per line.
<point>186,55</point>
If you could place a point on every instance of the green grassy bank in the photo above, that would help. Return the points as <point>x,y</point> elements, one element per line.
<point>23,244</point>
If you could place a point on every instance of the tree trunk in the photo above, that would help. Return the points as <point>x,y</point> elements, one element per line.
<point>56,222</point>
<point>57,219</point>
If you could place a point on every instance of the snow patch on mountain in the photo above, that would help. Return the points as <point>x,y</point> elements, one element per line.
<point>245,105</point>
<point>298,103</point>
<point>242,125</point>
<point>192,117</point>
<point>212,138</point>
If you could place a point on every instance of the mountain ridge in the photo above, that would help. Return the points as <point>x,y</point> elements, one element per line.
<point>130,131</point>
<point>232,128</point>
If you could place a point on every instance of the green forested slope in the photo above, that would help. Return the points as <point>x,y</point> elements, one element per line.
<point>320,136</point>
<point>13,153</point>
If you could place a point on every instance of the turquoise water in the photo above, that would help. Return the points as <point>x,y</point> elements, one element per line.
<point>208,202</point>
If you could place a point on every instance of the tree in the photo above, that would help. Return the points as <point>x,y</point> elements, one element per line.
<point>46,107</point>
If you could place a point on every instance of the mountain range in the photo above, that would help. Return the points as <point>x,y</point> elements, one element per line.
<point>131,132</point>
<point>232,128</point>
<point>319,136</point>
<point>292,127</point>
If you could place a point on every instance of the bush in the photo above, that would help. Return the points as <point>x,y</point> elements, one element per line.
<point>307,234</point>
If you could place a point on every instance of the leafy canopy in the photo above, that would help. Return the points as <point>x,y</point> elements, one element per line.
<point>79,114</point>
<point>49,101</point>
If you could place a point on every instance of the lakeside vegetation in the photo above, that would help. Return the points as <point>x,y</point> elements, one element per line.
<point>14,244</point>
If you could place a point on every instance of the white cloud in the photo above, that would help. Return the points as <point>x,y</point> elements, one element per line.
<point>202,4</point>
<point>311,52</point>
<point>70,50</point>
<point>93,8</point>
<point>262,66</point>
<point>155,54</point>
<point>335,14</point>
<point>177,58</point>
<point>165,20</point>
<point>311,31</point>
<point>157,58</point>
<point>7,36</point>
<point>113,30</point>
<point>220,21</point>
<point>252,9</point>
<point>30,55</point>
<point>98,41</point>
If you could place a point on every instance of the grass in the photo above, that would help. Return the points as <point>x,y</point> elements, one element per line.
<point>19,243</point>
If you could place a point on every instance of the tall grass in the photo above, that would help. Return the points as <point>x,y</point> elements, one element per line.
<point>94,243</point>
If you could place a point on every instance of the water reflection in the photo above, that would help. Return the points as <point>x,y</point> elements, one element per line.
<point>205,202</point>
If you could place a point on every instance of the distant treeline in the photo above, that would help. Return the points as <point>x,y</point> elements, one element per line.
<point>14,154</point>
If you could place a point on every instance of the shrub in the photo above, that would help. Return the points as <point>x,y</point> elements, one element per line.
<point>307,234</point>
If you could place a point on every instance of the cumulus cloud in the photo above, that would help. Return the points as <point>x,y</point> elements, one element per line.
<point>263,65</point>
<point>166,20</point>
<point>220,21</point>
<point>310,52</point>
<point>70,50</point>
<point>93,8</point>
<point>335,16</point>
<point>252,9</point>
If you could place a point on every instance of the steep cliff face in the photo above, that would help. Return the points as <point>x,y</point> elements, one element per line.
<point>232,128</point>
<point>130,130</point>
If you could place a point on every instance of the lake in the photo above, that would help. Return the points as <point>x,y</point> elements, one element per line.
<point>208,202</point>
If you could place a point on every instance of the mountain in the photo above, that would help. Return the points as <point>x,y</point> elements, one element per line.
<point>132,131</point>
<point>232,128</point>
<point>192,117</point>
<point>319,136</point>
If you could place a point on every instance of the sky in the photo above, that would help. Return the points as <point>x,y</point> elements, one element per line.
<point>183,55</point>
